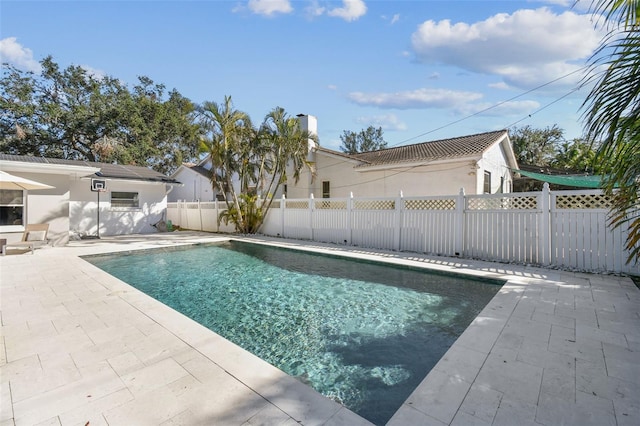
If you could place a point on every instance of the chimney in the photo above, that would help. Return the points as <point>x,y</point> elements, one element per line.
<point>310,124</point>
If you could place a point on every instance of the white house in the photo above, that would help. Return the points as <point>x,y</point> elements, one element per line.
<point>134,198</point>
<point>196,179</point>
<point>480,163</point>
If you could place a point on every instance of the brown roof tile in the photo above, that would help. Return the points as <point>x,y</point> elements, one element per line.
<point>116,171</point>
<point>199,169</point>
<point>463,146</point>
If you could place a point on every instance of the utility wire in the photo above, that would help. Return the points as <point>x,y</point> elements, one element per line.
<point>408,170</point>
<point>501,103</point>
<point>575,89</point>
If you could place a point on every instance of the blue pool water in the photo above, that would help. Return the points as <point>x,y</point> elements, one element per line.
<point>361,333</point>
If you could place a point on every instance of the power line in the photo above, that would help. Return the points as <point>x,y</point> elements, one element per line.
<point>575,89</point>
<point>501,103</point>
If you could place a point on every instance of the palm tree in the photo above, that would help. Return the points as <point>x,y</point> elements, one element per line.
<point>613,111</point>
<point>288,148</point>
<point>227,132</point>
<point>260,157</point>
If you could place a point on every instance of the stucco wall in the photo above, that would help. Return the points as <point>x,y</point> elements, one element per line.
<point>433,179</point>
<point>494,161</point>
<point>45,206</point>
<point>195,187</point>
<point>83,213</point>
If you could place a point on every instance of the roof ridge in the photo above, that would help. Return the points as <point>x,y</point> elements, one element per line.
<point>456,147</point>
<point>436,140</point>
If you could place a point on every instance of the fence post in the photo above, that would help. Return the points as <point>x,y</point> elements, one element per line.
<point>545,226</point>
<point>200,215</point>
<point>282,211</point>
<point>349,218</point>
<point>217,215</point>
<point>458,243</point>
<point>398,225</point>
<point>311,205</point>
<point>184,215</point>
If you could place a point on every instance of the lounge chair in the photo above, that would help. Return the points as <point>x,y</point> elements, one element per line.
<point>34,235</point>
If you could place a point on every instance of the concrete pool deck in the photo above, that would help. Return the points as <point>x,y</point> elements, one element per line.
<point>79,347</point>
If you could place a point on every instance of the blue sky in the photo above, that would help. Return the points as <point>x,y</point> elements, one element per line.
<point>422,70</point>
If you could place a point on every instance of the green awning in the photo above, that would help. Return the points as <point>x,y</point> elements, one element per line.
<point>580,181</point>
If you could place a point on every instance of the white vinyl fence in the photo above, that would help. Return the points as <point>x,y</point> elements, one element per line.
<point>567,229</point>
<point>198,216</point>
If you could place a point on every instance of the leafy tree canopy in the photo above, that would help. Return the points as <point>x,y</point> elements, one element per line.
<point>577,156</point>
<point>536,147</point>
<point>547,148</point>
<point>370,139</point>
<point>72,114</point>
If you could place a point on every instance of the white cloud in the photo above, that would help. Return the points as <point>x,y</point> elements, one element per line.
<point>394,19</point>
<point>420,98</point>
<point>15,54</point>
<point>314,9</point>
<point>332,87</point>
<point>350,10</point>
<point>387,122</point>
<point>570,4</point>
<point>501,85</point>
<point>526,48</point>
<point>94,72</point>
<point>269,7</point>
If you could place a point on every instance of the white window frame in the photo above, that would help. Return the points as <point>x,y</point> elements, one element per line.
<point>121,202</point>
<point>487,180</point>
<point>23,204</point>
<point>326,189</point>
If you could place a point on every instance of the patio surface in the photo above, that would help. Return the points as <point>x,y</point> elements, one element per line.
<point>80,347</point>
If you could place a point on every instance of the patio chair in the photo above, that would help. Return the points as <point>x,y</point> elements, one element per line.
<point>34,235</point>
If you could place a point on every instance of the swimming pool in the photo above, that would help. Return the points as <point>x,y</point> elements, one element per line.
<point>364,334</point>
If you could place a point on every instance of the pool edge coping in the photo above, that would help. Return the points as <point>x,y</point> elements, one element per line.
<point>445,388</point>
<point>491,320</point>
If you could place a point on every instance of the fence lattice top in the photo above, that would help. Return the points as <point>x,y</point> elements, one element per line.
<point>584,201</point>
<point>374,204</point>
<point>333,205</point>
<point>299,204</point>
<point>436,204</point>
<point>502,203</point>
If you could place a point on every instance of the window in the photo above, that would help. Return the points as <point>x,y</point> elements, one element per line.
<point>326,189</point>
<point>487,182</point>
<point>124,199</point>
<point>11,207</point>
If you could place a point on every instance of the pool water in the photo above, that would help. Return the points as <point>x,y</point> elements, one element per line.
<point>363,334</point>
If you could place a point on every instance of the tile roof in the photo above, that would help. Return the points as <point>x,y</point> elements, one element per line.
<point>199,169</point>
<point>115,171</point>
<point>460,147</point>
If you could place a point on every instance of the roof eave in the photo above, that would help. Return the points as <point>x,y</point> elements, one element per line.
<point>339,155</point>
<point>137,180</point>
<point>62,169</point>
<point>425,162</point>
